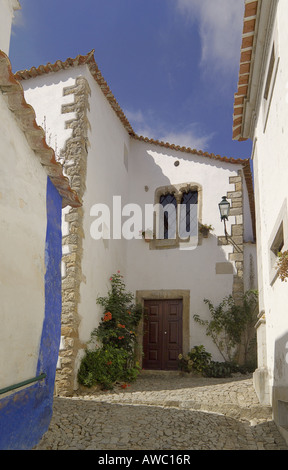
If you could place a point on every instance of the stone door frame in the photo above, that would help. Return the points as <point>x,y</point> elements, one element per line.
<point>184,295</point>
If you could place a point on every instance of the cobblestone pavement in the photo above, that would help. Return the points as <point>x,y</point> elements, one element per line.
<point>165,412</point>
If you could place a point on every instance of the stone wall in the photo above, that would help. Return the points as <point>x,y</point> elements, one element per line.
<point>75,166</point>
<point>236,238</point>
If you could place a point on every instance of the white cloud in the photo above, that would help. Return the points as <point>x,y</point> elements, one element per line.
<point>149,126</point>
<point>187,138</point>
<point>220,28</point>
<point>19,19</point>
<point>140,124</point>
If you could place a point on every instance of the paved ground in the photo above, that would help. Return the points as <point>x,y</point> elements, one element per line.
<point>165,412</point>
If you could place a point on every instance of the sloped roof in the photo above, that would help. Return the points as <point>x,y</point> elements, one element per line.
<point>245,163</point>
<point>24,114</point>
<point>89,60</point>
<point>248,35</point>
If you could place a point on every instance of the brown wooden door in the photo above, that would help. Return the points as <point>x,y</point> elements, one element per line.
<point>162,339</point>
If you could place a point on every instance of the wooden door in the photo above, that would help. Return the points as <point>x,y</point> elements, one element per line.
<point>162,338</point>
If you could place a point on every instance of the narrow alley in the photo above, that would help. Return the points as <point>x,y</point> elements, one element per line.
<point>165,412</point>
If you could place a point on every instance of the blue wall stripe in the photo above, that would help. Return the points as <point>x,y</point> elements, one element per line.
<point>25,415</point>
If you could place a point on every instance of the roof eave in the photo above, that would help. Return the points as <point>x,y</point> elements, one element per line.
<point>26,119</point>
<point>251,13</point>
<point>258,21</point>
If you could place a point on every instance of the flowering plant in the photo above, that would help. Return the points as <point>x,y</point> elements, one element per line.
<point>114,360</point>
<point>121,317</point>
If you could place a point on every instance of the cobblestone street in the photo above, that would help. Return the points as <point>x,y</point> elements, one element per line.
<point>165,412</point>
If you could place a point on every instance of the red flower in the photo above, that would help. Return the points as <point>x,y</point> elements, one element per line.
<point>107,316</point>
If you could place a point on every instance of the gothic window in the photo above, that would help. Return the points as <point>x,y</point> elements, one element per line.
<point>188,217</point>
<point>168,216</point>
<point>178,214</point>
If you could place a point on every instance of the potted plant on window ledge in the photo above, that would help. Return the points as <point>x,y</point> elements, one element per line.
<point>205,230</point>
<point>147,235</point>
<point>282,265</point>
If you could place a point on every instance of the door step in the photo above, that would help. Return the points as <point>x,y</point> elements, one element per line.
<point>171,373</point>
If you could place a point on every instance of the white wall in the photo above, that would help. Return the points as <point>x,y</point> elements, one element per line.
<point>194,270</point>
<point>107,176</point>
<point>7,8</point>
<point>120,166</point>
<point>22,206</point>
<point>45,94</point>
<point>270,163</point>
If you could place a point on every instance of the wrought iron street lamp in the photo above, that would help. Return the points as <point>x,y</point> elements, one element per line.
<point>224,208</point>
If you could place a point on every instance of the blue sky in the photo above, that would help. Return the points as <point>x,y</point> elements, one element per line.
<point>172,65</point>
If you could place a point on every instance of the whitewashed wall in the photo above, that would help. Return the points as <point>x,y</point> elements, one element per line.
<point>120,166</point>
<point>7,8</point>
<point>45,94</point>
<point>23,185</point>
<point>193,270</point>
<point>270,163</point>
<point>107,176</point>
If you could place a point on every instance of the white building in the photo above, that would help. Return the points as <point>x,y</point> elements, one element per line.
<point>261,114</point>
<point>7,9</point>
<point>108,164</point>
<point>33,191</point>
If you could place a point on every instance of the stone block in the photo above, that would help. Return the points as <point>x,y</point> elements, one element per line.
<point>234,195</point>
<point>236,203</point>
<point>72,217</point>
<point>238,240</point>
<point>68,283</point>
<point>236,211</point>
<point>236,257</point>
<point>237,230</point>
<point>222,241</point>
<point>224,268</point>
<point>235,179</point>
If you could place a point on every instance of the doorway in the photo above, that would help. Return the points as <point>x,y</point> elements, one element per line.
<point>162,334</point>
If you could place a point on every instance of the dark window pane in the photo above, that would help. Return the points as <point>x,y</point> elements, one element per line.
<point>169,221</point>
<point>188,214</point>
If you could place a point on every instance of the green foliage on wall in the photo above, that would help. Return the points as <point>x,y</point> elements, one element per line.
<point>114,360</point>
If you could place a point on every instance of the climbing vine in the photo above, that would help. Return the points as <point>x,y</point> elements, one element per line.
<point>231,324</point>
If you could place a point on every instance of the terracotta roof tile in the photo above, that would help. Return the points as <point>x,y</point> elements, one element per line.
<point>24,114</point>
<point>245,163</point>
<point>249,26</point>
<point>89,60</point>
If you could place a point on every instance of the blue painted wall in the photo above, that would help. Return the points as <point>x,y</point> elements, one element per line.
<point>25,415</point>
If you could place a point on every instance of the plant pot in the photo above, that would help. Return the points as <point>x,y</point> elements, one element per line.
<point>205,233</point>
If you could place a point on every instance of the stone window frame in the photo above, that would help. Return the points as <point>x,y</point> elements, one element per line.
<point>278,238</point>
<point>270,77</point>
<point>178,190</point>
